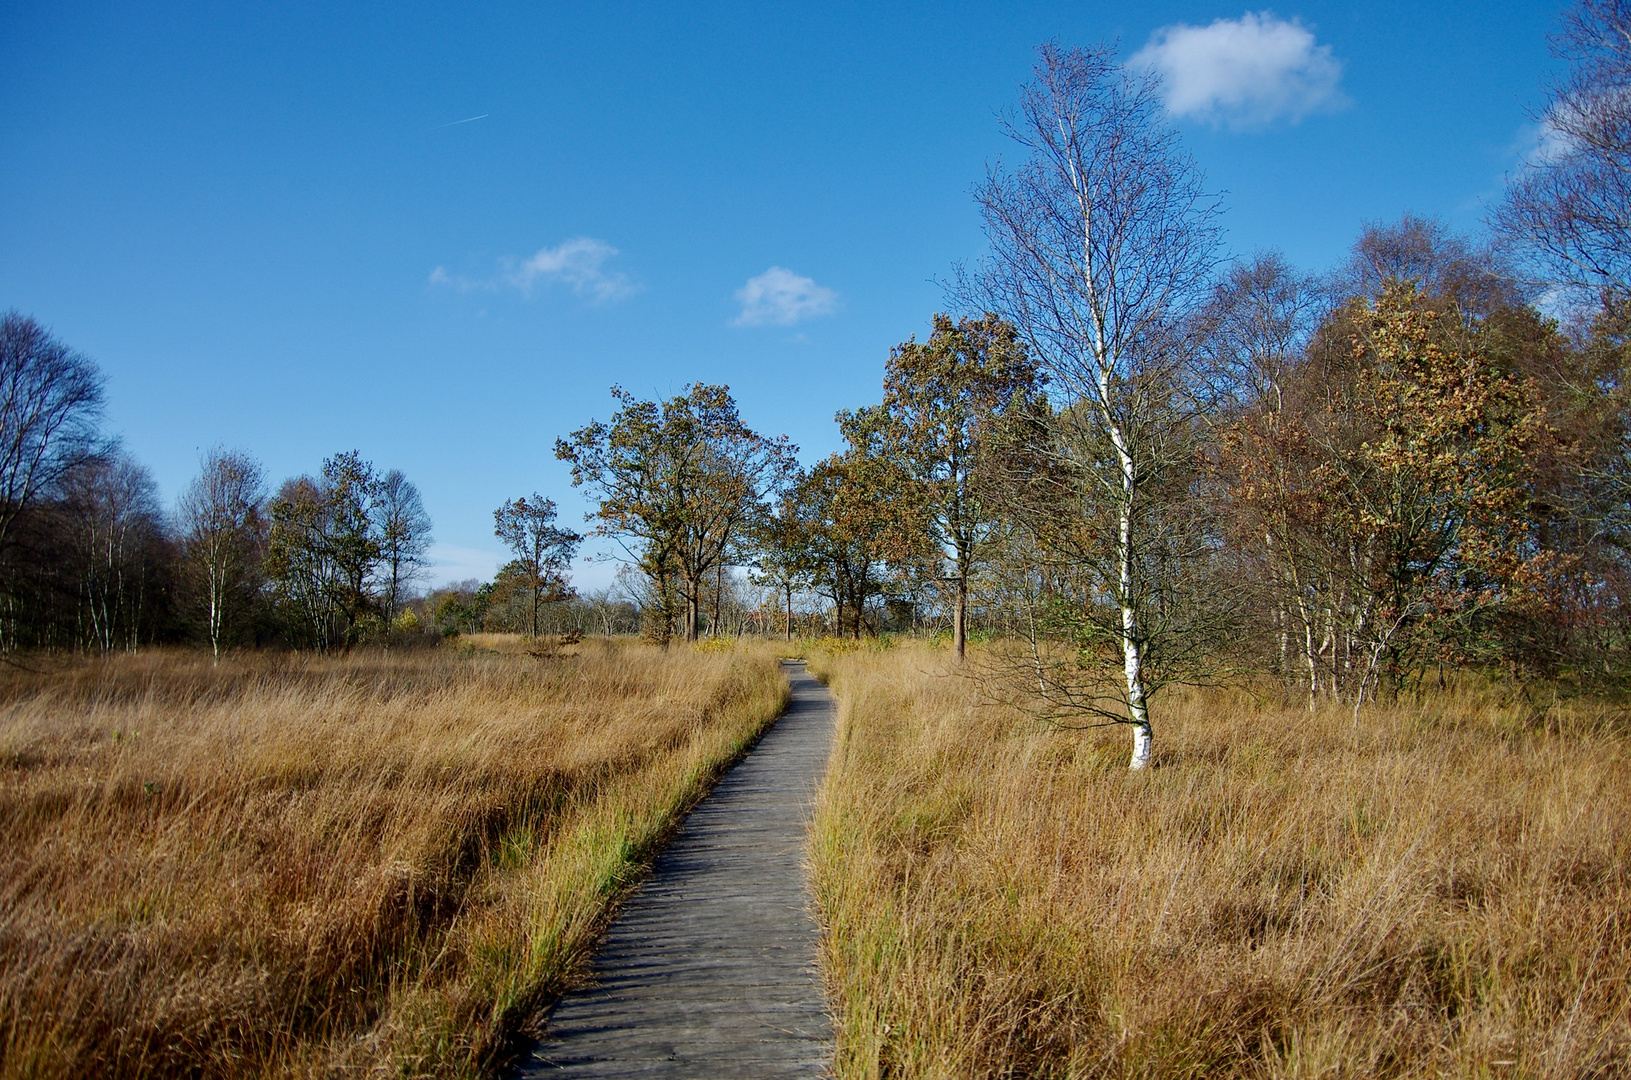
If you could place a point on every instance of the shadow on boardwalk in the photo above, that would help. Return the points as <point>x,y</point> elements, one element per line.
<point>710,968</point>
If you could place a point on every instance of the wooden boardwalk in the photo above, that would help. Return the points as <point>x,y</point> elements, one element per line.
<point>709,970</point>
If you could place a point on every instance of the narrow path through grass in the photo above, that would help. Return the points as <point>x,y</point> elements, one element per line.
<point>710,969</point>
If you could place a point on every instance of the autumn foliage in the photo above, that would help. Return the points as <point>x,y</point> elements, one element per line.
<point>1386,488</point>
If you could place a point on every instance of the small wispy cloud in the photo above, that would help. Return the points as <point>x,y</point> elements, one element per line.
<point>578,264</point>
<point>1550,145</point>
<point>779,297</point>
<point>1245,72</point>
<point>456,123</point>
<point>1543,143</point>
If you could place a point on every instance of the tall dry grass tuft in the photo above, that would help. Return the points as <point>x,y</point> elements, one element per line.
<point>1444,890</point>
<point>295,865</point>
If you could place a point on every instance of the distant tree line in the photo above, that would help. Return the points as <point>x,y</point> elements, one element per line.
<point>90,560</point>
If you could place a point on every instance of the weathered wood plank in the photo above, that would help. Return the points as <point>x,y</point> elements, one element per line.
<point>710,969</point>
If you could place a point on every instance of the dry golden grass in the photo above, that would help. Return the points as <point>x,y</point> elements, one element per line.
<point>1445,891</point>
<point>546,645</point>
<point>295,865</point>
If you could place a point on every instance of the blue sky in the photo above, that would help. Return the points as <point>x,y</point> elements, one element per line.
<point>269,228</point>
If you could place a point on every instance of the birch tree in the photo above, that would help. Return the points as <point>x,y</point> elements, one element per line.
<point>1253,335</point>
<point>222,516</point>
<point>1102,241</point>
<point>110,506</point>
<point>1400,493</point>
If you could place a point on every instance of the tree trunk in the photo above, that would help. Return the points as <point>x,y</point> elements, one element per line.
<point>216,588</point>
<point>1132,645</point>
<point>719,597</point>
<point>1132,650</point>
<point>1311,653</point>
<point>959,615</point>
<point>693,607</point>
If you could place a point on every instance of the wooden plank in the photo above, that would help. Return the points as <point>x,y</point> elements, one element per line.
<point>710,969</point>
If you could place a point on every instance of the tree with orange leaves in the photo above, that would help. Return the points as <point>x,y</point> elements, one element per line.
<point>1396,486</point>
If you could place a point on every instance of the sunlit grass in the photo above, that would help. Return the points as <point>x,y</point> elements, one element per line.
<point>296,865</point>
<point>1444,890</point>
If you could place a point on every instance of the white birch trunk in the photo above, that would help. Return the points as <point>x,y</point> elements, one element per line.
<point>1132,649</point>
<point>1133,657</point>
<point>1141,746</point>
<point>215,618</point>
<point>1310,649</point>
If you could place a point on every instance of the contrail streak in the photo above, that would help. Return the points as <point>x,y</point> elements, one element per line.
<point>466,120</point>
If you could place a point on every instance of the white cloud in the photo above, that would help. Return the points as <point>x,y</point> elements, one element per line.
<point>1543,143</point>
<point>1243,72</point>
<point>578,264</point>
<point>779,297</point>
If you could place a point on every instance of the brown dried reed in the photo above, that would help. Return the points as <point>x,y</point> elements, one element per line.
<point>1442,890</point>
<point>295,865</point>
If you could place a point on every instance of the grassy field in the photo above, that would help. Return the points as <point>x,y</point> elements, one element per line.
<point>293,865</point>
<point>1443,890</point>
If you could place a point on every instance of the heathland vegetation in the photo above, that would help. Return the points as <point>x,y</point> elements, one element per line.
<point>1355,542</point>
<point>1442,888</point>
<point>296,864</point>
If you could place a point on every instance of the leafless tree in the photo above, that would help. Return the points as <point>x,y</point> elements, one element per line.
<point>1251,338</point>
<point>607,611</point>
<point>1102,243</point>
<point>1254,328</point>
<point>1570,206</point>
<point>404,538</point>
<point>1478,279</point>
<point>50,406</point>
<point>223,520</point>
<point>111,507</point>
